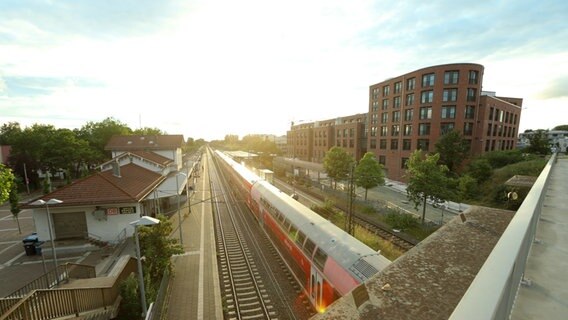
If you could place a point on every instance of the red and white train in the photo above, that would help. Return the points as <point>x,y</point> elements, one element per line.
<point>326,261</point>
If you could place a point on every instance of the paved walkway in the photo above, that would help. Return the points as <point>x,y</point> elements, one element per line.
<point>547,265</point>
<point>194,285</point>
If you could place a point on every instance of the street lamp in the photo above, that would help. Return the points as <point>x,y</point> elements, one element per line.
<point>144,221</point>
<point>41,202</point>
<point>179,211</point>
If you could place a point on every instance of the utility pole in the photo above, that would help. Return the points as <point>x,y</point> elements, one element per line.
<point>350,227</point>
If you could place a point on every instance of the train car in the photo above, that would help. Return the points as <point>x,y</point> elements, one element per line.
<point>326,261</point>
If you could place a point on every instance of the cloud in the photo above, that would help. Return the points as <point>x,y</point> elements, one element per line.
<point>557,88</point>
<point>2,85</point>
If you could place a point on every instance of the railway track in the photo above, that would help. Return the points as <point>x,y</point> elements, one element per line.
<point>241,285</point>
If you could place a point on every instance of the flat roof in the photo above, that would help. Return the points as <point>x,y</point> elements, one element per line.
<point>429,280</point>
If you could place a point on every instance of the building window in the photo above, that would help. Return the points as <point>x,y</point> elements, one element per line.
<point>427,96</point>
<point>467,129</point>
<point>374,117</point>
<point>423,129</point>
<point>397,87</point>
<point>395,116</point>
<point>396,102</point>
<point>384,131</point>
<point>410,84</point>
<point>385,104</point>
<point>409,99</point>
<point>473,76</point>
<point>450,95</point>
<point>373,131</point>
<point>383,144</point>
<point>406,144</point>
<point>425,113</point>
<point>469,112</point>
<point>395,130</point>
<point>489,129</point>
<point>384,117</point>
<point>394,144</point>
<point>446,127</point>
<point>375,105</point>
<point>471,94</point>
<point>407,129</point>
<point>373,144</point>
<point>423,144</point>
<point>448,112</point>
<point>428,80</point>
<point>382,160</point>
<point>386,91</point>
<point>351,143</point>
<point>451,77</point>
<point>351,132</point>
<point>408,114</point>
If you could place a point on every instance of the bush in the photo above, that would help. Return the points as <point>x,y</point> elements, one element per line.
<point>401,221</point>
<point>130,307</point>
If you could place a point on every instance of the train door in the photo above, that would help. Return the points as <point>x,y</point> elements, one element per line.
<point>316,288</point>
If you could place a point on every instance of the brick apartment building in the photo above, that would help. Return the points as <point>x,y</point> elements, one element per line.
<point>411,112</point>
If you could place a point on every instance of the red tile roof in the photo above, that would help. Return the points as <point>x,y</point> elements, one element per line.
<point>152,156</point>
<point>145,142</point>
<point>103,187</point>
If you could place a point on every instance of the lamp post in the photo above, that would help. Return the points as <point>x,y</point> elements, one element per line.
<point>179,211</point>
<point>144,221</point>
<point>41,202</point>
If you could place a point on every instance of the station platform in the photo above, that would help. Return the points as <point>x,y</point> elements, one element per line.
<point>194,284</point>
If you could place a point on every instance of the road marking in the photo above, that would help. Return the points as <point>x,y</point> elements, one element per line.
<point>9,247</point>
<point>11,229</point>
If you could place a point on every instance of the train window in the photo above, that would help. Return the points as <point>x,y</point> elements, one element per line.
<point>281,218</point>
<point>278,216</point>
<point>300,239</point>
<point>309,247</point>
<point>320,257</point>
<point>287,224</point>
<point>293,232</point>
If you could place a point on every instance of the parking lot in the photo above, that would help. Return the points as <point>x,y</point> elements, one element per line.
<point>17,268</point>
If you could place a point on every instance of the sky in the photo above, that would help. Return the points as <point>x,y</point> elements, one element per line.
<point>208,68</point>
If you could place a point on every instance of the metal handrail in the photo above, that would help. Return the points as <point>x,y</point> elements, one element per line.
<point>54,303</point>
<point>492,293</point>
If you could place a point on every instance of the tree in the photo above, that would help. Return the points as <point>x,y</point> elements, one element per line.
<point>453,149</point>
<point>97,134</point>
<point>337,164</point>
<point>155,242</point>
<point>563,127</point>
<point>481,169</point>
<point>369,173</point>
<point>6,182</point>
<point>427,180</point>
<point>146,131</point>
<point>15,204</point>
<point>539,143</point>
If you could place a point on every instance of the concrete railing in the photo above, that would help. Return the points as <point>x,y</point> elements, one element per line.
<point>493,291</point>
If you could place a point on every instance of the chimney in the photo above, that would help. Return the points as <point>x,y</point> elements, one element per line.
<point>115,169</point>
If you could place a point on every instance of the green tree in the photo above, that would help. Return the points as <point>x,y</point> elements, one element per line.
<point>563,127</point>
<point>155,242</point>
<point>146,131</point>
<point>369,173</point>
<point>97,134</point>
<point>15,204</point>
<point>481,169</point>
<point>6,182</point>
<point>8,132</point>
<point>337,164</point>
<point>539,143</point>
<point>467,188</point>
<point>453,149</point>
<point>427,180</point>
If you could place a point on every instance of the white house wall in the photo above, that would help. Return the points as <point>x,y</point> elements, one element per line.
<point>168,187</point>
<point>106,230</point>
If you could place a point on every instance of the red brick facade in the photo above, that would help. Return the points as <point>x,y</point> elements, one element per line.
<point>411,112</point>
